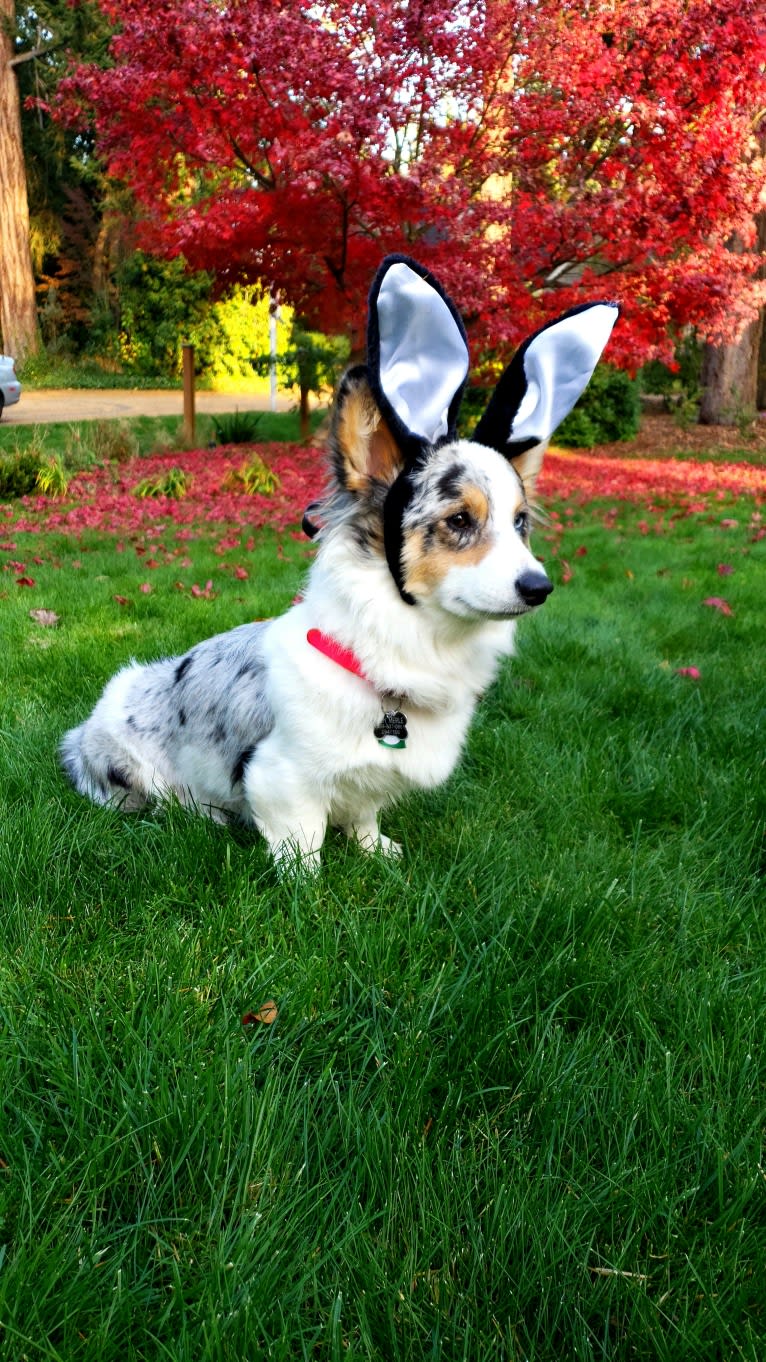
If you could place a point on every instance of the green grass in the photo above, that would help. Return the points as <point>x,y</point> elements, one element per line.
<point>149,432</point>
<point>513,1104</point>
<point>46,370</point>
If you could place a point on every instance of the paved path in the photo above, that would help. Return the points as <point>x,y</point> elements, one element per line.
<point>105,404</point>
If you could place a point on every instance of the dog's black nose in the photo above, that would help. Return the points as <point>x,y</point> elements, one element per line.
<point>533,587</point>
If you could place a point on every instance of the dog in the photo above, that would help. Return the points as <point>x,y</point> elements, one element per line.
<point>366,687</point>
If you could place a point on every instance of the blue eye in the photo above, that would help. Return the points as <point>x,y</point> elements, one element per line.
<point>521,522</point>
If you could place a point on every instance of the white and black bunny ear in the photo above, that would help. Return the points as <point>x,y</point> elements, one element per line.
<point>417,354</point>
<point>545,378</point>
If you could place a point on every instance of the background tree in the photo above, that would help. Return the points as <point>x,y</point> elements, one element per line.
<point>77,215</point>
<point>533,155</point>
<point>18,312</point>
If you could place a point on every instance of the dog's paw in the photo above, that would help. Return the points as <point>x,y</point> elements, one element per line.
<point>389,847</point>
<point>372,841</point>
<point>294,863</point>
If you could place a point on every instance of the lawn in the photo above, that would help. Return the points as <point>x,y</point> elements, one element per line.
<point>79,443</point>
<point>502,1100</point>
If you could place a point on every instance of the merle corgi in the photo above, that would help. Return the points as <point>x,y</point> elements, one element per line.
<point>366,687</point>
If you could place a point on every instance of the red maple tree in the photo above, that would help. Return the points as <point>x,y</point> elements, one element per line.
<point>534,156</point>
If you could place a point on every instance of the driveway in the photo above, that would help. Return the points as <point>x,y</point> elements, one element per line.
<point>114,404</point>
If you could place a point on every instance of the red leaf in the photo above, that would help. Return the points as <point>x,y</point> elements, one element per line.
<point>693,672</point>
<point>25,581</point>
<point>204,593</point>
<point>717,603</point>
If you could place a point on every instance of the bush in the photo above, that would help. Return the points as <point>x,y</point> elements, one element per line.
<point>682,380</point>
<point>175,483</point>
<point>608,410</point>
<point>113,440</point>
<point>254,477</point>
<point>162,306</point>
<point>52,478</point>
<point>19,471</point>
<point>236,428</point>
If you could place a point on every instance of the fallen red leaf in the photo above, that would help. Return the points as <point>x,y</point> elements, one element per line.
<point>717,603</point>
<point>25,581</point>
<point>693,672</point>
<point>205,593</point>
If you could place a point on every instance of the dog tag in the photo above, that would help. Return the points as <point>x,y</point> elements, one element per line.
<point>392,729</point>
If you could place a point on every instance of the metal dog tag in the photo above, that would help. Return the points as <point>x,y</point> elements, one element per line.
<point>392,729</point>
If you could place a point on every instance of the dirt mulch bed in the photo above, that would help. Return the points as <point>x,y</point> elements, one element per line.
<point>661,437</point>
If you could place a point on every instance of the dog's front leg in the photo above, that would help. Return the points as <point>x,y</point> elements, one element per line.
<point>292,821</point>
<point>295,849</point>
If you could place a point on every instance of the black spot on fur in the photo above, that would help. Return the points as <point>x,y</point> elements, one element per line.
<point>183,668</point>
<point>240,765</point>
<point>367,537</point>
<point>247,669</point>
<point>131,722</point>
<point>450,482</point>
<point>117,777</point>
<point>182,717</point>
<point>219,732</point>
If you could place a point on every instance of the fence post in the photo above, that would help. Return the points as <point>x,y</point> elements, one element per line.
<point>189,413</point>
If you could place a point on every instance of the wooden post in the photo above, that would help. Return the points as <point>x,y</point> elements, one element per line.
<point>189,413</point>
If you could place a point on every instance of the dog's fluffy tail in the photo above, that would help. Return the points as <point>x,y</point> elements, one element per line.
<point>103,782</point>
<point>72,759</point>
<point>76,765</point>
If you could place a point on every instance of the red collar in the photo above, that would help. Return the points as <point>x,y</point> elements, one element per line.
<point>391,728</point>
<point>336,652</point>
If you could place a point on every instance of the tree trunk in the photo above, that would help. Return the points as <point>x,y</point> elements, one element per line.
<point>760,397</point>
<point>305,414</point>
<point>18,310</point>
<point>729,379</point>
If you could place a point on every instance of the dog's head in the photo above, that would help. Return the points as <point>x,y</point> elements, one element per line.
<point>451,516</point>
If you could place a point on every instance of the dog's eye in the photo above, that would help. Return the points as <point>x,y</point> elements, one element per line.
<point>521,522</point>
<point>461,520</point>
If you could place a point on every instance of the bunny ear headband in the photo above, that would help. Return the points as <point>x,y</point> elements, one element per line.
<point>417,358</point>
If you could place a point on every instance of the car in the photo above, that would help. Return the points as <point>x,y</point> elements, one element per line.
<point>10,388</point>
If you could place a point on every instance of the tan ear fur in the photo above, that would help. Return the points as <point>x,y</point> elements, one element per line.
<point>528,466</point>
<point>365,449</point>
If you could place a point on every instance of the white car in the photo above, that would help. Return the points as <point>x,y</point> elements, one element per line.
<point>10,388</point>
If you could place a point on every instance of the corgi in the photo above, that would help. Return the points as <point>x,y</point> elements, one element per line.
<point>366,687</point>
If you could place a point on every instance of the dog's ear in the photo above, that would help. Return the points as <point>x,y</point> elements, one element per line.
<point>417,355</point>
<point>542,383</point>
<point>363,450</point>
